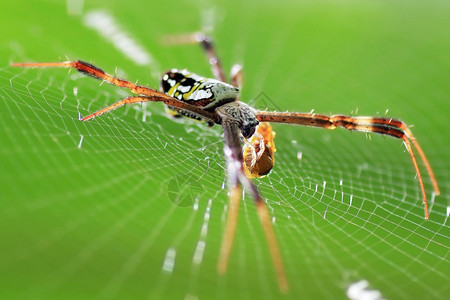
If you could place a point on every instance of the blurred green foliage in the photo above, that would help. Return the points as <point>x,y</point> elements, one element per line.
<point>84,207</point>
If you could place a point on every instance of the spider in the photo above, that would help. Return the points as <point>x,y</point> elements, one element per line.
<point>217,102</point>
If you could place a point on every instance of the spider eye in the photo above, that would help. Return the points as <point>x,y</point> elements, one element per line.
<point>248,130</point>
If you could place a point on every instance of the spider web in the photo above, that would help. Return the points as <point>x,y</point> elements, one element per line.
<point>133,203</point>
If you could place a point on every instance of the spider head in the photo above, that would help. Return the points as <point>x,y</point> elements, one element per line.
<point>240,113</point>
<point>248,127</point>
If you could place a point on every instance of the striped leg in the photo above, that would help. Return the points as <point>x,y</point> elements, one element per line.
<point>148,94</point>
<point>236,175</point>
<point>385,126</point>
<point>207,45</point>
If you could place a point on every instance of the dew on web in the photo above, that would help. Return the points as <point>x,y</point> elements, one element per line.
<point>80,143</point>
<point>169,260</point>
<point>327,208</point>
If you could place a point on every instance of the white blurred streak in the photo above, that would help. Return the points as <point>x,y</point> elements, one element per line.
<point>108,28</point>
<point>75,7</point>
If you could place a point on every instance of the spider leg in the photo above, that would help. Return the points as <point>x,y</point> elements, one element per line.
<point>214,60</point>
<point>207,116</point>
<point>385,126</point>
<point>236,175</point>
<point>93,71</point>
<point>207,45</point>
<point>216,65</point>
<point>236,76</point>
<point>148,93</point>
<point>230,228</point>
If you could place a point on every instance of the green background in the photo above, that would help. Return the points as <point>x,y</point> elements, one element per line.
<point>96,219</point>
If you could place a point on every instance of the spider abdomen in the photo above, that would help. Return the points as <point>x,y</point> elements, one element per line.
<point>197,90</point>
